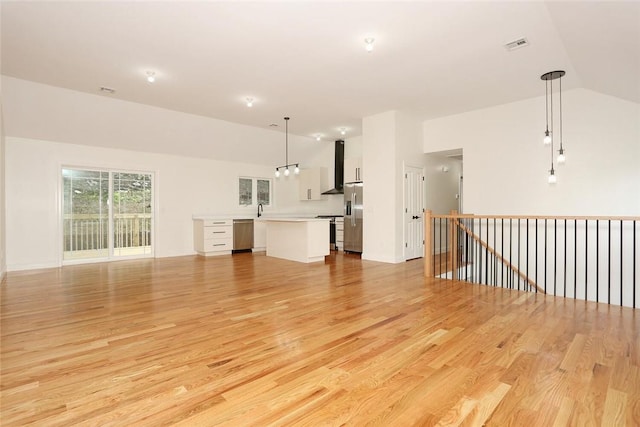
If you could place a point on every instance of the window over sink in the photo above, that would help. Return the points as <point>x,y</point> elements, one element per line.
<point>254,191</point>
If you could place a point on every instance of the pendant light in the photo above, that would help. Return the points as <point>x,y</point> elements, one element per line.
<point>549,131</point>
<point>286,172</point>
<point>561,156</point>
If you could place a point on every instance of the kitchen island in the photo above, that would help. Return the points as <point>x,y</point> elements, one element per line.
<point>297,239</point>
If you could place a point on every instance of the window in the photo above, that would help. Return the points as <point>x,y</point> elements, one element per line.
<point>254,191</point>
<point>264,191</point>
<point>246,191</point>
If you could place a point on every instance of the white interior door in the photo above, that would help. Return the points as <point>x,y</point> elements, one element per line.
<point>413,212</point>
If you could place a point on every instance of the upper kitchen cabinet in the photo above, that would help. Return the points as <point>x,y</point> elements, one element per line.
<point>312,183</point>
<point>353,170</point>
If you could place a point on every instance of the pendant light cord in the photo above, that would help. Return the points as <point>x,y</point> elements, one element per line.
<point>546,102</point>
<point>561,113</point>
<point>286,139</point>
<point>552,135</point>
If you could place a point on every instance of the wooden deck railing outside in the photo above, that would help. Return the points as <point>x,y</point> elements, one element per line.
<point>90,232</point>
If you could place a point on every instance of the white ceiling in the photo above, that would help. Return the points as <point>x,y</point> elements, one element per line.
<point>307,59</point>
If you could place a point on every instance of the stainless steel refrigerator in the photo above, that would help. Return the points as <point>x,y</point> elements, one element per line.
<point>353,217</point>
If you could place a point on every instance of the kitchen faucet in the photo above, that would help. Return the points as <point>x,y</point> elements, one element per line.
<point>260,208</point>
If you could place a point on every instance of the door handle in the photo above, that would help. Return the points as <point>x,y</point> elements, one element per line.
<point>415,217</point>
<point>353,215</point>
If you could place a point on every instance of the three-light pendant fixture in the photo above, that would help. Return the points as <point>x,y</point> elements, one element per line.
<point>549,131</point>
<point>296,169</point>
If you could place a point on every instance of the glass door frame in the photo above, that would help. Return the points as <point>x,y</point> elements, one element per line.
<point>110,253</point>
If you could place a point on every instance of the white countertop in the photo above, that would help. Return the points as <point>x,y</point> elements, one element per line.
<point>221,217</point>
<point>291,219</point>
<point>269,216</point>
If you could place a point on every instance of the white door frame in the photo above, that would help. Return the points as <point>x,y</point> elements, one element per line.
<point>111,256</point>
<point>413,206</point>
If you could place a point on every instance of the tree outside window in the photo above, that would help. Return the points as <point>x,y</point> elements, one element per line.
<point>254,191</point>
<point>246,191</point>
<point>264,191</point>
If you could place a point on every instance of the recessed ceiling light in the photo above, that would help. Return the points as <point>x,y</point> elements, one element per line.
<point>107,90</point>
<point>318,136</point>
<point>368,44</point>
<point>151,76</point>
<point>273,125</point>
<point>343,131</point>
<point>249,101</point>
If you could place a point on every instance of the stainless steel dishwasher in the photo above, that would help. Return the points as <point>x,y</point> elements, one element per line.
<point>242,234</point>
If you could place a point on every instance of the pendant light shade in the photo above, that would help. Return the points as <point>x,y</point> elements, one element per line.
<point>286,154</point>
<point>549,119</point>
<point>561,157</point>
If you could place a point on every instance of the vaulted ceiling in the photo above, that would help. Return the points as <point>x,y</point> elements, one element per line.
<point>308,59</point>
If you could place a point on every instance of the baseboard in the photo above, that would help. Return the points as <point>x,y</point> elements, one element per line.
<point>22,267</point>
<point>390,260</point>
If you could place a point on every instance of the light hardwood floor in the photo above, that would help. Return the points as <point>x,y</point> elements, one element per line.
<point>251,340</point>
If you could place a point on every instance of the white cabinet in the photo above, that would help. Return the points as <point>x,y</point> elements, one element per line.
<point>259,235</point>
<point>312,182</point>
<point>353,170</point>
<point>213,237</point>
<point>340,234</point>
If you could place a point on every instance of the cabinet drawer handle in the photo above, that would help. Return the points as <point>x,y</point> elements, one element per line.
<point>219,222</point>
<point>219,244</point>
<point>219,232</point>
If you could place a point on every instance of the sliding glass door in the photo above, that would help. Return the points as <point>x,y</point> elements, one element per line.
<point>131,214</point>
<point>106,214</point>
<point>85,214</point>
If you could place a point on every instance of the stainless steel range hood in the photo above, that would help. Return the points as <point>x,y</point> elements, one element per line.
<point>338,173</point>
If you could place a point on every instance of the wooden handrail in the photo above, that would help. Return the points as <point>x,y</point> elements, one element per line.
<point>497,255</point>
<point>428,252</point>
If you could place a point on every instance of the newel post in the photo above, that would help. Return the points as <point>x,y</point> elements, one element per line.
<point>453,253</point>
<point>428,247</point>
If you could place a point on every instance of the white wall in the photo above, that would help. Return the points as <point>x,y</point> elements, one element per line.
<point>353,147</point>
<point>391,140</point>
<point>506,163</point>
<point>197,162</point>
<point>409,153</point>
<point>3,240</point>
<point>379,238</point>
<point>441,187</point>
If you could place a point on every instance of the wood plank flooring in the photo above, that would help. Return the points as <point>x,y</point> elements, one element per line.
<point>250,340</point>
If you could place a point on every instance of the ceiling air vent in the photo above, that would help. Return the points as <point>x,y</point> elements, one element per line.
<point>517,44</point>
